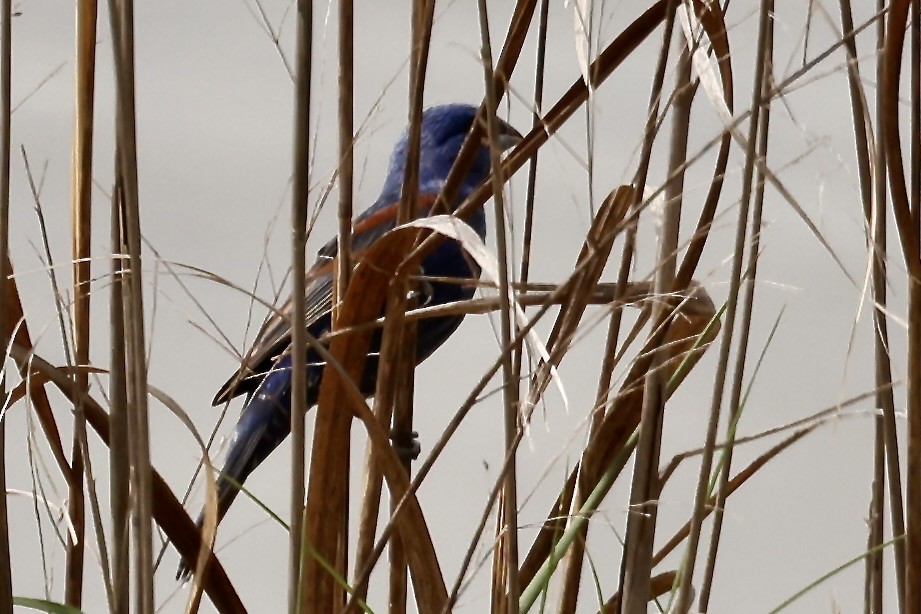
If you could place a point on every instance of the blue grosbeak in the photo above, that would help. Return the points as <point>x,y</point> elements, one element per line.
<point>265,373</point>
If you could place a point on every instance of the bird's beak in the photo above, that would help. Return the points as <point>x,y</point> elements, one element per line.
<point>508,136</point>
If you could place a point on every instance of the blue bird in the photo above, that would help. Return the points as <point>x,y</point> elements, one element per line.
<point>265,373</point>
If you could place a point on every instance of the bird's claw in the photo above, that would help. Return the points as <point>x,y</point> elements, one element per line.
<point>406,444</point>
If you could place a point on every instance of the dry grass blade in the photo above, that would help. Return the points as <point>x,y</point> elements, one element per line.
<point>209,526</point>
<point>17,329</point>
<point>167,510</point>
<point>732,485</point>
<point>589,266</point>
<point>691,331</point>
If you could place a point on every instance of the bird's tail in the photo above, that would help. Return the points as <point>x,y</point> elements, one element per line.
<point>264,423</point>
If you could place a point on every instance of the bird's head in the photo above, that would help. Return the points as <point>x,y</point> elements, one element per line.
<point>444,129</point>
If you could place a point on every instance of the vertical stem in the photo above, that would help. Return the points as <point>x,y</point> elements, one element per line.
<point>915,132</point>
<point>674,187</point>
<point>914,346</point>
<point>509,507</point>
<point>910,239</point>
<point>346,169</point>
<point>122,20</point>
<point>397,400</point>
<point>81,223</point>
<point>873,565</point>
<point>732,301</point>
<point>6,582</point>
<point>539,72</point>
<point>641,520</point>
<point>748,303</point>
<point>346,137</point>
<point>876,222</point>
<point>301,155</point>
<point>532,163</point>
<point>119,456</point>
<point>873,193</point>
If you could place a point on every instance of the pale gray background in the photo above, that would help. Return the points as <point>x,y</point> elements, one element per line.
<point>214,122</point>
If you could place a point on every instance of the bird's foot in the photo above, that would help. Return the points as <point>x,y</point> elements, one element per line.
<point>406,444</point>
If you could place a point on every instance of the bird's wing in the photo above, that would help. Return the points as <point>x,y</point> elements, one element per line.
<point>275,335</point>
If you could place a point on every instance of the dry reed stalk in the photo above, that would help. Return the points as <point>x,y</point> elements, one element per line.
<point>910,239</point>
<point>527,235</point>
<point>505,584</point>
<point>761,77</point>
<point>382,264</point>
<point>297,561</point>
<point>6,16</point>
<point>539,71</point>
<point>343,265</point>
<point>121,16</point>
<point>712,19</point>
<point>873,194</point>
<point>119,455</point>
<point>735,397</point>
<point>167,510</point>
<point>346,162</point>
<point>397,358</point>
<point>397,350</point>
<point>914,307</point>
<point>82,225</point>
<point>641,521</point>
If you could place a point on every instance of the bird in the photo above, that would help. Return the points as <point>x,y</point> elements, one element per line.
<point>264,375</point>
